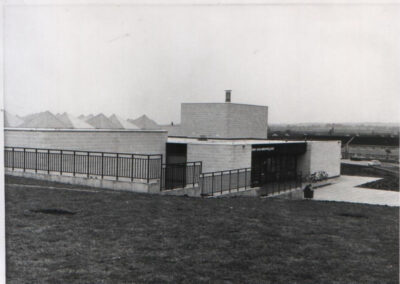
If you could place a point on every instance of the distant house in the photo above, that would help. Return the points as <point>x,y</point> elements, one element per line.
<point>42,120</point>
<point>101,121</point>
<point>144,122</point>
<point>73,122</point>
<point>121,122</point>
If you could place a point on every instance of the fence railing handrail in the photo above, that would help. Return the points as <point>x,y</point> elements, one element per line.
<point>183,164</point>
<point>217,183</point>
<point>90,163</point>
<point>226,171</point>
<point>179,175</point>
<point>84,151</point>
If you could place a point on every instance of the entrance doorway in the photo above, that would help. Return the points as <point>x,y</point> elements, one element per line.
<point>174,171</point>
<point>275,163</point>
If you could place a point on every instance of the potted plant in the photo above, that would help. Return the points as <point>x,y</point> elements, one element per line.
<point>311,180</point>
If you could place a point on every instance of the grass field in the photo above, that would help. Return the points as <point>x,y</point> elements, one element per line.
<point>121,237</point>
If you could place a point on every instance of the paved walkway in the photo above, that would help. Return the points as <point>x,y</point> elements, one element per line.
<point>344,189</point>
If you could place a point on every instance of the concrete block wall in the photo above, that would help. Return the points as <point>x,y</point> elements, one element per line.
<point>321,156</point>
<point>247,121</point>
<point>220,157</point>
<point>224,120</point>
<point>120,141</point>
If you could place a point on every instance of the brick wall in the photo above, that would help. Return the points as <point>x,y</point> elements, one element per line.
<point>140,142</point>
<point>224,120</point>
<point>321,156</point>
<point>220,157</point>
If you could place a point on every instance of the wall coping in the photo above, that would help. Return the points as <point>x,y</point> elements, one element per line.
<point>224,103</point>
<point>83,130</point>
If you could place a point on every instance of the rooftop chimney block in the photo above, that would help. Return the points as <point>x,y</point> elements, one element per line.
<point>227,96</point>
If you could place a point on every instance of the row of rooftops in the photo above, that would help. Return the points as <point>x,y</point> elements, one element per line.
<point>47,120</point>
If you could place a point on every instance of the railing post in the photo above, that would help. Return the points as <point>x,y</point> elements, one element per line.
<point>48,161</point>
<point>73,168</point>
<point>245,178</point>
<point>102,165</point>
<point>212,184</point>
<point>24,159</point>
<point>12,158</point>
<point>237,180</point>
<point>36,161</point>
<point>201,182</point>
<point>230,175</point>
<point>194,169</point>
<point>161,160</point>
<point>148,168</point>
<point>184,167</point>
<point>117,168</point>
<point>221,181</point>
<point>87,166</point>
<point>132,157</point>
<point>61,160</point>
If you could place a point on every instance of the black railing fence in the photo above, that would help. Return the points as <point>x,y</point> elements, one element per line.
<point>103,164</point>
<point>220,182</point>
<point>180,175</point>
<point>282,184</point>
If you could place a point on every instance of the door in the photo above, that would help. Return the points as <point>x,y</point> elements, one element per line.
<point>174,171</point>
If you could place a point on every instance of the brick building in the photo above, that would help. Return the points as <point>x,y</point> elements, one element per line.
<point>222,137</point>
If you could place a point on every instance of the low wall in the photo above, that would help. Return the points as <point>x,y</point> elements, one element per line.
<point>135,186</point>
<point>188,191</point>
<point>251,192</point>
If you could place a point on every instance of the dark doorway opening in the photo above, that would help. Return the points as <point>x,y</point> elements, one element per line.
<point>275,163</point>
<point>174,171</point>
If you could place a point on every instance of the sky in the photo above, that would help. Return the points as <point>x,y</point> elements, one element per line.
<point>308,63</point>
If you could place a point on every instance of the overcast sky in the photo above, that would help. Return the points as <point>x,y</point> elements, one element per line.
<point>308,63</point>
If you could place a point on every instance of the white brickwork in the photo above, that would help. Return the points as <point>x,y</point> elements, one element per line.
<point>140,142</point>
<point>224,120</point>
<point>220,157</point>
<point>321,156</point>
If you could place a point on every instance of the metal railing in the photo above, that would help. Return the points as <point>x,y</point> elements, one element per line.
<point>281,185</point>
<point>180,175</point>
<point>102,164</point>
<point>220,182</point>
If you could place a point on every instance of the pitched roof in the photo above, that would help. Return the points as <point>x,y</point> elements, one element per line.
<point>85,117</point>
<point>100,121</point>
<point>144,122</point>
<point>122,123</point>
<point>11,120</point>
<point>73,122</point>
<point>42,120</point>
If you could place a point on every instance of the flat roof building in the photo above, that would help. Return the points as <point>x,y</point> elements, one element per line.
<point>227,140</point>
<point>224,120</point>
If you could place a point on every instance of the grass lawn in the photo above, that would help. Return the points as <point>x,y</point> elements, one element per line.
<point>121,237</point>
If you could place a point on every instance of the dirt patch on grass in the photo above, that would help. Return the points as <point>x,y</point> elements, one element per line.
<point>137,238</point>
<point>353,215</point>
<point>53,211</point>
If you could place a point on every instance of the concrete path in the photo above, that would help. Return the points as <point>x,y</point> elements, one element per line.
<point>344,189</point>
